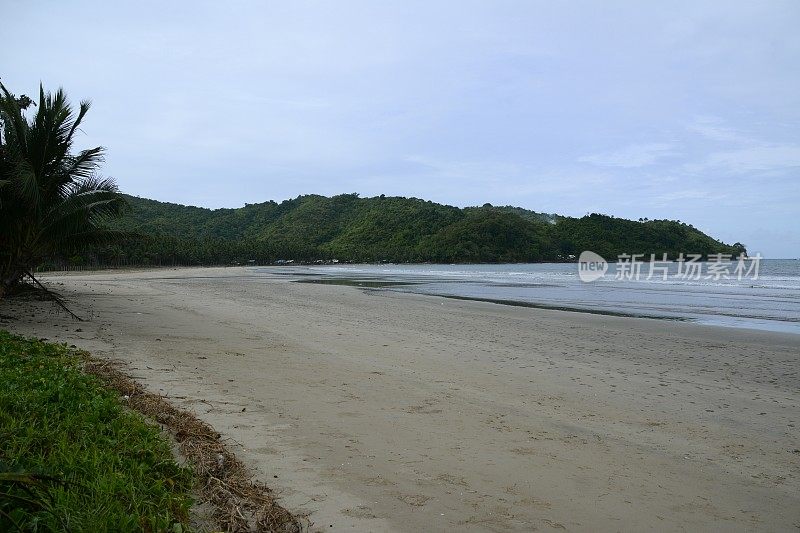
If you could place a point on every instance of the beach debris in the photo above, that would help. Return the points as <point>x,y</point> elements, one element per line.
<point>240,502</point>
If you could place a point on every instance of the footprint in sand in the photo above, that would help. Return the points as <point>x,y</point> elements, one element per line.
<point>425,408</point>
<point>378,480</point>
<point>452,480</point>
<point>416,500</point>
<point>362,511</point>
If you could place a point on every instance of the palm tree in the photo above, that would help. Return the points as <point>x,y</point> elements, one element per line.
<point>52,202</point>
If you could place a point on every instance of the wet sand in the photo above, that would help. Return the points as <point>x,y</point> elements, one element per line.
<point>374,410</point>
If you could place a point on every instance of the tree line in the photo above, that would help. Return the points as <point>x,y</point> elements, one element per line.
<point>381,229</point>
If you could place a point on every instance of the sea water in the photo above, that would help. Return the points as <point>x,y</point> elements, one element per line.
<point>770,301</point>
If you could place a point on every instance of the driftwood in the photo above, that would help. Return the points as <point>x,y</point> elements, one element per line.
<point>53,296</point>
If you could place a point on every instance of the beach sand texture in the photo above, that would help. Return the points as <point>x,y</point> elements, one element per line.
<point>376,410</point>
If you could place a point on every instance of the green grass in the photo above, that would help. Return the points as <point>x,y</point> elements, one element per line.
<point>72,458</point>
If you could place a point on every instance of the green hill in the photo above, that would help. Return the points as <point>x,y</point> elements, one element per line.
<point>395,229</point>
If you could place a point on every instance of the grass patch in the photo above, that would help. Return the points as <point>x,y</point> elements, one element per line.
<point>72,457</point>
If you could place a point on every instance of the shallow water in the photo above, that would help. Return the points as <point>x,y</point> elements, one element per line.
<point>770,302</point>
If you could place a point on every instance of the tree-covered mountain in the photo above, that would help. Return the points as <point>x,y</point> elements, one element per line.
<point>396,229</point>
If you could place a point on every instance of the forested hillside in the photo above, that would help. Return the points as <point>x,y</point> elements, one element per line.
<point>396,229</point>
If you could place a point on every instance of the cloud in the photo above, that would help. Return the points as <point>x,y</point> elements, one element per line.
<point>632,156</point>
<point>742,153</point>
<point>688,195</point>
<point>711,128</point>
<point>754,159</point>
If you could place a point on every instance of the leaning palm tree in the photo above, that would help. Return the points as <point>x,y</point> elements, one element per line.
<point>52,202</point>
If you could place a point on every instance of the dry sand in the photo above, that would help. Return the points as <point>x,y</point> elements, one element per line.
<point>374,410</point>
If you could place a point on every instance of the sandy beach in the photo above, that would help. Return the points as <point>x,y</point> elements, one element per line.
<point>380,411</point>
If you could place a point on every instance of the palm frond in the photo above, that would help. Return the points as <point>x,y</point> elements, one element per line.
<point>84,108</point>
<point>84,165</point>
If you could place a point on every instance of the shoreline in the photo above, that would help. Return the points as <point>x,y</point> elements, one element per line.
<point>394,411</point>
<point>725,304</point>
<point>622,314</point>
<point>747,323</point>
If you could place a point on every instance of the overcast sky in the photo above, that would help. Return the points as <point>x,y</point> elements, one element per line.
<point>681,110</point>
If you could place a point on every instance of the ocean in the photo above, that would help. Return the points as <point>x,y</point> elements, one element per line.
<point>769,302</point>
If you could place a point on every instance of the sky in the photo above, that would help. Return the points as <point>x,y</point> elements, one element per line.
<point>680,110</point>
